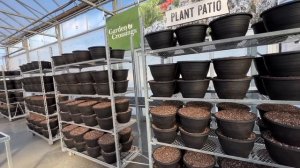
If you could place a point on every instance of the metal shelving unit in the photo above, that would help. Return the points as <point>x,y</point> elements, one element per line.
<point>259,154</point>
<point>123,159</point>
<point>41,73</point>
<point>12,115</point>
<point>6,140</point>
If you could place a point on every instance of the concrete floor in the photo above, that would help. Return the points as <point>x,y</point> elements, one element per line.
<point>33,152</point>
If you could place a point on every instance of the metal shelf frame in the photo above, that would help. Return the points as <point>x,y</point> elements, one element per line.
<point>6,140</point>
<point>251,43</point>
<point>108,62</point>
<point>41,73</point>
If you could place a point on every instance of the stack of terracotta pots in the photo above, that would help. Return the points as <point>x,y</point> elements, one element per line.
<point>39,124</point>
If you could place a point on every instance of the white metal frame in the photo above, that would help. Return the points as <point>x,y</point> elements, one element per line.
<point>6,140</point>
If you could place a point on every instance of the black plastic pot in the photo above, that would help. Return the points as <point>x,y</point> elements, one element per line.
<point>53,132</point>
<point>162,89</point>
<point>105,123</point>
<point>84,77</point>
<point>259,27</point>
<point>231,88</point>
<point>274,20</point>
<point>65,116</point>
<point>163,121</point>
<point>236,129</point>
<point>283,64</point>
<point>281,153</point>
<point>94,141</point>
<point>194,70</point>
<point>109,157</point>
<point>193,88</point>
<point>117,53</point>
<point>97,52</point>
<point>161,39</point>
<point>87,109</point>
<point>70,78</point>
<point>53,123</point>
<point>173,164</point>
<point>261,66</point>
<point>276,85</point>
<point>107,147</point>
<point>163,72</point>
<point>102,112</point>
<point>124,136</point>
<point>124,117</point>
<point>81,55</point>
<point>236,147</point>
<point>232,67</point>
<point>89,120</point>
<point>80,146</point>
<point>195,160</point>
<point>122,106</point>
<point>165,135</point>
<point>59,79</point>
<point>63,89</point>
<point>69,143</point>
<point>93,152</point>
<point>74,88</point>
<point>58,60</point>
<point>102,88</point>
<point>77,118</point>
<point>260,85</point>
<point>194,125</point>
<point>194,140</point>
<point>100,76</point>
<point>120,74</point>
<point>229,26</point>
<point>262,127</point>
<point>87,88</point>
<point>121,86</point>
<point>189,34</point>
<point>126,146</point>
<point>69,58</point>
<point>63,105</point>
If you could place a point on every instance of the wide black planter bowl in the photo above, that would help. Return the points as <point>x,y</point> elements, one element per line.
<point>194,70</point>
<point>288,133</point>
<point>121,86</point>
<point>81,55</point>
<point>93,152</point>
<point>126,146</point>
<point>232,106</point>
<point>233,128</point>
<point>232,88</point>
<point>189,34</point>
<point>193,88</point>
<point>69,142</point>
<point>162,89</point>
<point>260,66</point>
<point>120,74</point>
<point>77,118</point>
<point>80,146</point>
<point>100,76</point>
<point>125,134</point>
<point>105,123</point>
<point>74,88</point>
<point>102,88</point>
<point>165,135</point>
<point>198,160</point>
<point>87,88</point>
<point>89,120</point>
<point>229,26</point>
<point>65,116</point>
<point>161,39</point>
<point>260,85</point>
<point>174,163</point>
<point>117,53</point>
<point>97,52</point>
<point>283,64</point>
<point>232,67</point>
<point>70,78</point>
<point>236,147</point>
<point>63,89</point>
<point>163,72</point>
<point>109,157</point>
<point>194,140</point>
<point>259,27</point>
<point>282,88</point>
<point>161,120</point>
<point>275,21</point>
<point>69,58</point>
<point>58,60</point>
<point>280,152</point>
<point>59,79</point>
<point>84,77</point>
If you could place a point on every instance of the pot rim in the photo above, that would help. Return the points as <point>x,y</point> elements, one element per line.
<point>56,56</point>
<point>121,81</point>
<point>67,54</point>
<point>170,115</point>
<point>98,71</point>
<point>280,124</point>
<point>95,147</point>
<point>86,116</point>
<point>193,81</point>
<point>96,47</point>
<point>81,51</point>
<point>219,134</point>
<point>175,161</point>
<point>153,81</point>
<point>107,118</point>
<point>212,165</point>
<point>284,146</point>
<point>236,121</point>
<point>193,118</point>
<point>281,53</point>
<point>232,58</point>
<point>124,112</point>
<point>155,65</point>
<point>160,31</point>
<point>114,70</point>
<point>288,78</point>
<point>191,25</point>
<point>229,15</point>
<point>112,50</point>
<point>200,61</point>
<point>201,134</point>
<point>247,78</point>
<point>278,6</point>
<point>174,128</point>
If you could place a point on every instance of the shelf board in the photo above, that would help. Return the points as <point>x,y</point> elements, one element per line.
<point>290,35</point>
<point>38,71</point>
<point>51,115</point>
<point>92,63</point>
<point>259,154</point>
<point>119,126</point>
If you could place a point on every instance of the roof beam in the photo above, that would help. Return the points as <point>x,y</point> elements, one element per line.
<point>28,31</point>
<point>97,7</point>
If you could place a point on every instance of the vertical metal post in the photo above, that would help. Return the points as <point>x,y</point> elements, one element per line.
<point>6,95</point>
<point>59,38</point>
<point>112,97</point>
<point>8,154</point>
<point>26,47</point>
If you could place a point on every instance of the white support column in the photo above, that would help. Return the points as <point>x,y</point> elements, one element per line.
<point>59,38</point>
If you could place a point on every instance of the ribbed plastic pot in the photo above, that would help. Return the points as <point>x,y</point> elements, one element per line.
<point>84,77</point>
<point>109,157</point>
<point>100,76</point>
<point>69,58</point>
<point>162,89</point>
<point>126,146</point>
<point>120,74</point>
<point>105,123</point>
<point>81,55</point>
<point>102,88</point>
<point>189,34</point>
<point>260,85</point>
<point>193,88</point>
<point>93,152</point>
<point>87,88</point>
<point>261,66</point>
<point>259,27</point>
<point>164,72</point>
<point>58,60</point>
<point>117,53</point>
<point>194,70</point>
<point>120,86</point>
<point>165,135</point>
<point>97,52</point>
<point>193,140</point>
<point>161,39</point>
<point>194,125</point>
<point>89,120</point>
<point>124,117</point>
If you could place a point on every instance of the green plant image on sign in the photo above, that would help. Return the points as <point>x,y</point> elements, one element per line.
<point>121,26</point>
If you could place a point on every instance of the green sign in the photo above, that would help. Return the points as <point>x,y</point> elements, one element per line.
<point>120,27</point>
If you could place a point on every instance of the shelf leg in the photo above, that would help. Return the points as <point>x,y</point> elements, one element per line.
<point>8,154</point>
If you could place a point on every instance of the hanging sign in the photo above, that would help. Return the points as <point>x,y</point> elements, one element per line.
<point>196,11</point>
<point>121,26</point>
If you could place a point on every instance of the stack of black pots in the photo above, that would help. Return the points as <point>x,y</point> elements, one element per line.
<point>12,97</point>
<point>93,53</point>
<point>92,82</point>
<point>11,73</point>
<point>232,81</point>
<point>11,84</point>
<point>34,65</point>
<point>235,129</point>
<point>38,124</point>
<point>262,71</point>
<point>34,84</point>
<point>36,104</point>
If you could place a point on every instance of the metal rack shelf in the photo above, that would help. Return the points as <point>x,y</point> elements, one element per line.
<point>49,115</point>
<point>291,35</point>
<point>95,95</point>
<point>38,71</point>
<point>259,154</point>
<point>52,92</point>
<point>43,137</point>
<point>13,117</point>
<point>11,77</point>
<point>12,90</point>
